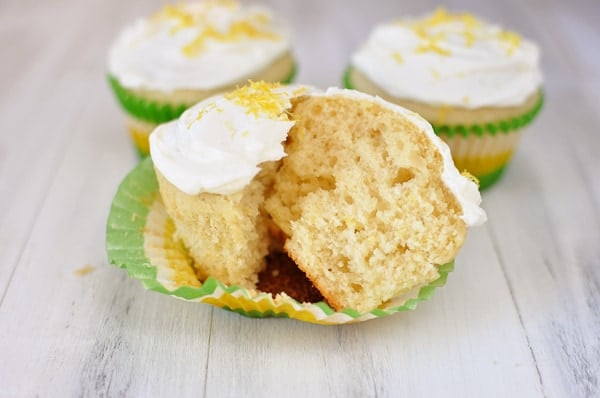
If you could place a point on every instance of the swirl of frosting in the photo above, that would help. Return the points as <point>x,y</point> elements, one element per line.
<point>217,145</point>
<point>450,59</point>
<point>202,46</point>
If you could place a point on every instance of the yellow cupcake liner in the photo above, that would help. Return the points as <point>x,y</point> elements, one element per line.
<point>140,237</point>
<point>139,131</point>
<point>483,156</point>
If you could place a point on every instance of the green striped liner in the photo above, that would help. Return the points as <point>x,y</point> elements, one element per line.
<point>128,231</point>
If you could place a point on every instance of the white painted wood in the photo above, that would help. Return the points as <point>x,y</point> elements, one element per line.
<point>519,316</point>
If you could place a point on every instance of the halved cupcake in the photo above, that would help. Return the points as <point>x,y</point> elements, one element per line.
<point>476,83</point>
<point>161,65</point>
<point>362,194</point>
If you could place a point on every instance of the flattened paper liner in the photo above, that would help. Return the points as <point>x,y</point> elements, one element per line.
<point>140,239</point>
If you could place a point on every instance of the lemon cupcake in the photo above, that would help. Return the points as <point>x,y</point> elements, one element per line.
<point>476,83</point>
<point>161,65</point>
<point>363,194</point>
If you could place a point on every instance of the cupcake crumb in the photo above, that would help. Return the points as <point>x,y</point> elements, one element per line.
<point>85,270</point>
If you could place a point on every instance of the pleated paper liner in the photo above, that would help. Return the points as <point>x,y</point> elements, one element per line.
<point>139,238</point>
<point>483,150</point>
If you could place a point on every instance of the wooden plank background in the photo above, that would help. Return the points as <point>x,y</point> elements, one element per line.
<point>520,315</point>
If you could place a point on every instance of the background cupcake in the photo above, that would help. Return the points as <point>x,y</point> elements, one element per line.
<point>161,65</point>
<point>476,83</point>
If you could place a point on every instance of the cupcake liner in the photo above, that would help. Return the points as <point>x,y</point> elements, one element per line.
<point>140,239</point>
<point>154,111</point>
<point>139,131</point>
<point>483,156</point>
<point>502,127</point>
<point>142,108</point>
<point>483,149</point>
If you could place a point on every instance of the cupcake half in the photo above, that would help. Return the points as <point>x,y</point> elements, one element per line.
<point>358,192</point>
<point>161,65</point>
<point>478,84</point>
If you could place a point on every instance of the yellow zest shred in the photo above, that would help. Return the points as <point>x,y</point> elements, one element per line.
<point>425,28</point>
<point>237,31</point>
<point>204,111</point>
<point>511,40</point>
<point>300,91</point>
<point>259,98</point>
<point>431,44</point>
<point>398,57</point>
<point>470,176</point>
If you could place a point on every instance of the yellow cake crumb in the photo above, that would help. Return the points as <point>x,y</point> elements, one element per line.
<point>85,270</point>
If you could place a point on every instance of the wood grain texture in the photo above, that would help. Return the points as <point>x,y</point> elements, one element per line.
<point>520,315</point>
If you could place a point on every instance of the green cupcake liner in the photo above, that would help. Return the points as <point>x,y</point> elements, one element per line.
<point>153,111</point>
<point>143,109</point>
<point>138,241</point>
<point>503,126</point>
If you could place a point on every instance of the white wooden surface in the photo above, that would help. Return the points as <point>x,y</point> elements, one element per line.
<point>519,317</point>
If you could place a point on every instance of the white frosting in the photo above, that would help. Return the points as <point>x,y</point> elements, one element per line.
<point>217,145</point>
<point>465,190</point>
<point>202,46</point>
<point>450,59</point>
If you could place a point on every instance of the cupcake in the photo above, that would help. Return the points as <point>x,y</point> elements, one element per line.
<point>476,83</point>
<point>358,192</point>
<point>161,65</point>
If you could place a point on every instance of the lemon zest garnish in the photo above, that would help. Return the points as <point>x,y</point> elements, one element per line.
<point>431,44</point>
<point>251,27</point>
<point>439,16</point>
<point>431,41</point>
<point>398,57</point>
<point>237,31</point>
<point>260,98</point>
<point>435,73</point>
<point>470,176</point>
<point>299,91</point>
<point>210,107</point>
<point>510,39</point>
<point>470,37</point>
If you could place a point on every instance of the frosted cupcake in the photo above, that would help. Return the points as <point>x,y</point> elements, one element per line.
<point>476,83</point>
<point>363,194</point>
<point>161,65</point>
